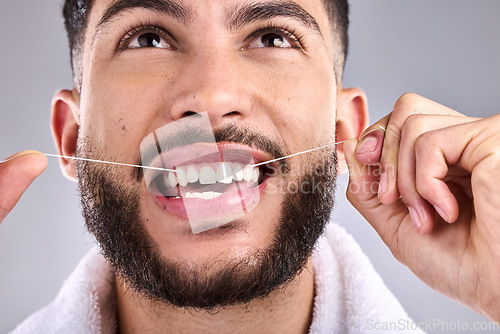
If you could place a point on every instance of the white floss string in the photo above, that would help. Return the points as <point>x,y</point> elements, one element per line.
<point>170,170</point>
<point>314,149</point>
<point>100,161</point>
<point>109,162</point>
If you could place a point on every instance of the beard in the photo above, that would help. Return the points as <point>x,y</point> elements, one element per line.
<point>111,213</point>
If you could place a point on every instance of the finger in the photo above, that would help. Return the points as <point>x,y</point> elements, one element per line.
<point>476,150</point>
<point>371,141</point>
<point>408,104</point>
<point>16,174</point>
<point>363,179</point>
<point>362,192</point>
<point>415,125</point>
<point>391,221</point>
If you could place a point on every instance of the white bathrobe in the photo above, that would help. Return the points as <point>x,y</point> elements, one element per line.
<point>350,296</point>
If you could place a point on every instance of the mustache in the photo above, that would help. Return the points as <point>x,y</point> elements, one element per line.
<point>252,139</point>
<point>230,133</point>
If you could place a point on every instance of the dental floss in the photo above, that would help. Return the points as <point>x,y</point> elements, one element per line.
<point>174,171</point>
<point>101,161</point>
<point>314,149</point>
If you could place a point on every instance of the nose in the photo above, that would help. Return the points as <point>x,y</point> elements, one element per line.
<point>215,82</point>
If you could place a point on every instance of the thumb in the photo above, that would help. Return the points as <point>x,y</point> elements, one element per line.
<point>363,179</point>
<point>362,192</point>
<point>16,174</point>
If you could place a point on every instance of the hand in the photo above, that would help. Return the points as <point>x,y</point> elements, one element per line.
<point>430,187</point>
<point>16,175</point>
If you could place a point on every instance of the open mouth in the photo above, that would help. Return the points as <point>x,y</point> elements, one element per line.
<point>207,176</point>
<point>209,181</point>
<point>209,185</point>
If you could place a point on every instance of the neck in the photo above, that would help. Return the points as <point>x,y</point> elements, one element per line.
<point>287,310</point>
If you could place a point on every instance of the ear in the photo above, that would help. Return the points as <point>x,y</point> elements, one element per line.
<point>65,125</point>
<point>352,119</point>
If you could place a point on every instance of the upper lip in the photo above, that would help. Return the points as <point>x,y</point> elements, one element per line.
<point>206,153</point>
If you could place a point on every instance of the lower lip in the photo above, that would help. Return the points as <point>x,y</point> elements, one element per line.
<point>228,204</point>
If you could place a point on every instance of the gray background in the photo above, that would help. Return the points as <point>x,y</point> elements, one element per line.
<point>445,50</point>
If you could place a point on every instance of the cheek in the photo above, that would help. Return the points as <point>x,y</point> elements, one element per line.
<point>123,102</point>
<point>303,100</point>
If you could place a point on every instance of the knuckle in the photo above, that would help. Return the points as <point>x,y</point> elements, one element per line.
<point>424,187</point>
<point>408,97</point>
<point>407,100</point>
<point>422,143</point>
<point>405,187</point>
<point>414,125</point>
<point>416,121</point>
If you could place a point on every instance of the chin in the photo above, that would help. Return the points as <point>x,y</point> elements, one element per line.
<point>214,206</point>
<point>229,239</point>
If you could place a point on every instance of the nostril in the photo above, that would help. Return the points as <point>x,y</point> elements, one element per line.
<point>189,113</point>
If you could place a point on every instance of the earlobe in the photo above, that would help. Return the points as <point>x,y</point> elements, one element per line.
<point>65,125</point>
<point>352,118</point>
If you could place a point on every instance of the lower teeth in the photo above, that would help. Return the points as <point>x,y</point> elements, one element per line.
<point>205,195</point>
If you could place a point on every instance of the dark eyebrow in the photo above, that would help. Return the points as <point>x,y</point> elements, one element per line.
<point>261,11</point>
<point>165,7</point>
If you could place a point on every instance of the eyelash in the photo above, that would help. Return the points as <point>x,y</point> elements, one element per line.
<point>294,39</point>
<point>141,27</point>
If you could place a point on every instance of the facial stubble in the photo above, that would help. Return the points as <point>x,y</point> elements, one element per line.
<point>111,213</point>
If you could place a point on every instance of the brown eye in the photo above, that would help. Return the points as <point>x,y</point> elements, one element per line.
<point>270,40</point>
<point>148,40</point>
<point>273,40</point>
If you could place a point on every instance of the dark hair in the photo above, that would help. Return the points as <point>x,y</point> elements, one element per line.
<point>338,12</point>
<point>76,13</point>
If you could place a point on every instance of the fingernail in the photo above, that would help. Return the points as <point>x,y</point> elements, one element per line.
<point>368,145</point>
<point>370,141</point>
<point>20,154</point>
<point>441,213</point>
<point>383,184</point>
<point>415,219</point>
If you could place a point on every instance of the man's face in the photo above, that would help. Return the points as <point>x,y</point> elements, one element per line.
<point>261,70</point>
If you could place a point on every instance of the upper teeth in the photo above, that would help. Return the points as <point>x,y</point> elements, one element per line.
<point>224,173</point>
<point>206,175</point>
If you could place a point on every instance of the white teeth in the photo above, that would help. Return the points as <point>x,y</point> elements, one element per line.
<point>205,195</point>
<point>238,173</point>
<point>207,175</point>
<point>181,176</point>
<point>224,173</point>
<point>255,176</point>
<point>172,179</point>
<point>192,174</point>
<point>248,173</point>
